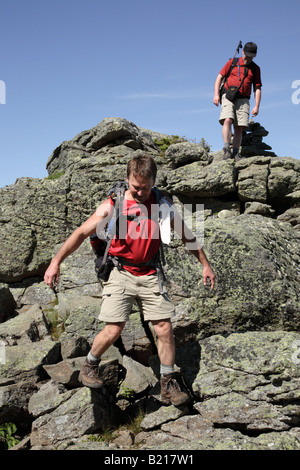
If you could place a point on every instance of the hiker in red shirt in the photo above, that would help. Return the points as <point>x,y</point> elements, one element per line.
<point>132,278</point>
<point>238,78</point>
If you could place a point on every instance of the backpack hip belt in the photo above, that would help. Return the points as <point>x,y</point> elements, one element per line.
<point>155,262</point>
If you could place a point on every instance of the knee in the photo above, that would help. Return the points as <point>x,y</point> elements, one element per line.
<point>163,329</point>
<point>238,129</point>
<point>114,330</point>
<point>228,122</point>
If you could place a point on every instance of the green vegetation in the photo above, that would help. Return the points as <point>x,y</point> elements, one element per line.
<point>135,424</point>
<point>54,176</point>
<point>106,436</point>
<point>57,323</point>
<point>7,430</point>
<point>125,392</point>
<point>204,144</point>
<point>165,142</point>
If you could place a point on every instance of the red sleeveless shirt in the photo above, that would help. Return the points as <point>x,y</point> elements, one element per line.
<point>139,237</point>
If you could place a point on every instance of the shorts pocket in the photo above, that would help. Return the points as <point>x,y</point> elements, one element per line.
<point>113,305</point>
<point>110,290</point>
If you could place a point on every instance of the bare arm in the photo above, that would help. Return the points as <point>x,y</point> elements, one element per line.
<point>90,226</point>
<point>217,85</point>
<point>257,97</point>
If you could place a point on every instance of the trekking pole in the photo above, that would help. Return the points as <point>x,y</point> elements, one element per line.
<point>238,49</point>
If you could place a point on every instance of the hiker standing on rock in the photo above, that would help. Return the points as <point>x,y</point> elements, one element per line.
<point>237,76</point>
<point>134,276</point>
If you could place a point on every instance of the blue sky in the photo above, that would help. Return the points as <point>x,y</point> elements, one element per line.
<point>67,64</point>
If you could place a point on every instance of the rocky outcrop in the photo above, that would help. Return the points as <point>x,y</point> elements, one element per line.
<point>246,391</point>
<point>237,346</point>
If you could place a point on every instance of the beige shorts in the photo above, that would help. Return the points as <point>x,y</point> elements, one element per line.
<point>123,288</point>
<point>238,111</point>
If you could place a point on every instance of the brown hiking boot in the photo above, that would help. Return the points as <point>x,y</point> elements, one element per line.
<point>89,375</point>
<point>171,392</point>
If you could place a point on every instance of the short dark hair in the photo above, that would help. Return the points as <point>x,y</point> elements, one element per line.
<point>143,165</point>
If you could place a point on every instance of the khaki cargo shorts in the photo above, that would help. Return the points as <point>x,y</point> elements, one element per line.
<point>123,288</point>
<point>238,111</point>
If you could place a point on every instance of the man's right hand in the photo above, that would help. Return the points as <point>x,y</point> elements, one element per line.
<point>217,85</point>
<point>216,99</point>
<point>51,276</point>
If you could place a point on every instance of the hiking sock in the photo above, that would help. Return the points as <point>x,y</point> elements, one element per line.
<point>165,370</point>
<point>91,358</point>
<point>235,151</point>
<point>227,145</point>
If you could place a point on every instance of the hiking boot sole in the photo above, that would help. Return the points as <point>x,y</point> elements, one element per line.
<point>168,401</point>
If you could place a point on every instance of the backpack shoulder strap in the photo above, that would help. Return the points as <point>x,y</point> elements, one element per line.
<point>158,194</point>
<point>116,193</point>
<point>158,198</point>
<point>224,80</point>
<point>234,63</point>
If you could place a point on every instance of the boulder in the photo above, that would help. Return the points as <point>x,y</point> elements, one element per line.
<point>201,180</point>
<point>86,411</point>
<point>32,325</point>
<point>138,377</point>
<point>80,328</point>
<point>50,395</point>
<point>256,260</point>
<point>247,390</point>
<point>19,376</point>
<point>182,153</point>
<point>292,216</point>
<point>284,178</point>
<point>26,360</point>
<point>111,132</point>
<point>7,303</point>
<point>252,179</point>
<point>259,208</point>
<point>255,386</point>
<point>33,214</point>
